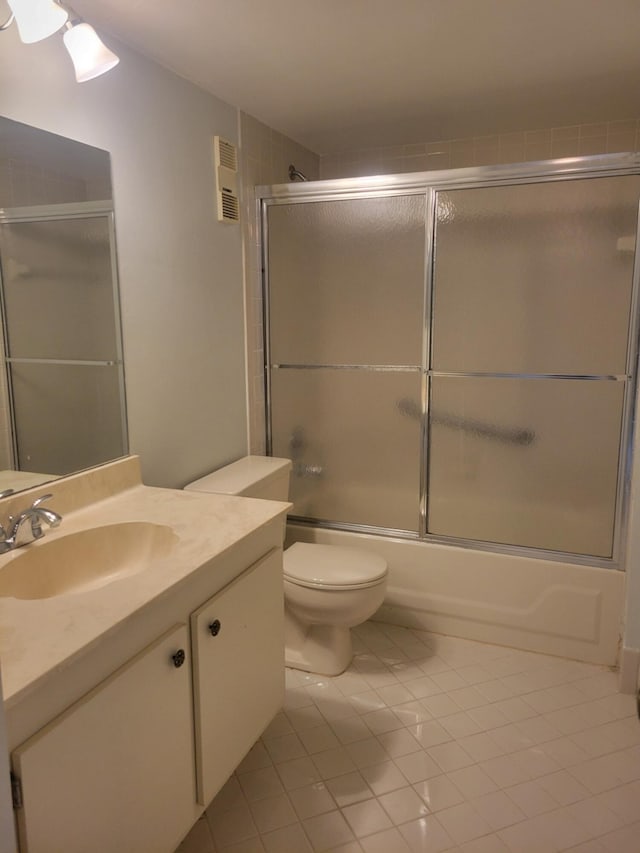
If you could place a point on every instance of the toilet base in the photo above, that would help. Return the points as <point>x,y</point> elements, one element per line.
<point>324,649</point>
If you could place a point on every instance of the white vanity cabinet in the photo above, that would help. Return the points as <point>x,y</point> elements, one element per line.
<point>238,670</point>
<point>131,765</point>
<point>116,770</point>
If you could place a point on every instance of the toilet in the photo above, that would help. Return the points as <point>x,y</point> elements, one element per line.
<point>328,589</point>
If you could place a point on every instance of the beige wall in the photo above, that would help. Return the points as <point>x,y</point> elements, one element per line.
<point>180,270</point>
<point>572,141</point>
<point>265,156</point>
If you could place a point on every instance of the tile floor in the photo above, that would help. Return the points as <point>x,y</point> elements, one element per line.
<point>430,744</point>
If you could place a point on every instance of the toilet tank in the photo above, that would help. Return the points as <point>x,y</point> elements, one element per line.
<point>252,477</point>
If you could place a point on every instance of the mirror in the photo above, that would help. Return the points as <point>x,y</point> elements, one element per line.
<point>62,403</point>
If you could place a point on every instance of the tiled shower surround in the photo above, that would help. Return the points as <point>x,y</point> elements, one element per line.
<point>524,146</point>
<point>430,744</point>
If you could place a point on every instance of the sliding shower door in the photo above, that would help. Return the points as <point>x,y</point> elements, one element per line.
<point>346,309</point>
<point>532,292</point>
<point>457,362</point>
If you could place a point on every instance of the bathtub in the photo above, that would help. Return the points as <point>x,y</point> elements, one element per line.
<point>529,603</point>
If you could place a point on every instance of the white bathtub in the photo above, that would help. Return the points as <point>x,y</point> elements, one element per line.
<point>540,605</point>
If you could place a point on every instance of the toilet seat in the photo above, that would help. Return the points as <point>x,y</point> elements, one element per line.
<point>332,567</point>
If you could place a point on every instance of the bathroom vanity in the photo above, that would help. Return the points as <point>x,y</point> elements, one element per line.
<point>132,694</point>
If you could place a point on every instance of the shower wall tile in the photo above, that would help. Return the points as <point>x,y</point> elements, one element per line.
<point>264,159</point>
<point>537,145</point>
<point>622,126</point>
<point>486,150</point>
<point>392,151</point>
<point>438,155</point>
<point>538,137</point>
<point>23,183</point>
<point>519,147</point>
<point>593,129</point>
<point>417,163</point>
<point>621,141</point>
<point>537,151</point>
<point>565,147</point>
<point>565,133</point>
<point>511,147</point>
<point>462,153</point>
<point>332,163</point>
<point>439,160</point>
<point>593,144</point>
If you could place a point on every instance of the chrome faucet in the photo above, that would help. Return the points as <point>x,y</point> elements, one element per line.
<point>27,526</point>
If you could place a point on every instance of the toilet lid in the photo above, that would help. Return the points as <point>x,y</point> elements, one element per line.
<point>310,564</point>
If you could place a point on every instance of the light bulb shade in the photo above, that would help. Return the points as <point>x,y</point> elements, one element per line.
<point>37,19</point>
<point>89,55</point>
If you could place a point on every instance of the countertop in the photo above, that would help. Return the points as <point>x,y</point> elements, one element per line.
<point>37,637</point>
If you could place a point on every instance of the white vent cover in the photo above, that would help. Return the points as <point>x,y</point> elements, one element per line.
<point>226,162</point>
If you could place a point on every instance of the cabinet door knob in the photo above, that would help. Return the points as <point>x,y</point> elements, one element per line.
<point>178,658</point>
<point>214,627</point>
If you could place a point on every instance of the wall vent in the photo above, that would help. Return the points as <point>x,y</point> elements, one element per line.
<point>226,162</point>
<point>230,207</point>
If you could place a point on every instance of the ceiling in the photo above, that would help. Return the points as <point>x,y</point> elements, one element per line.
<point>342,74</point>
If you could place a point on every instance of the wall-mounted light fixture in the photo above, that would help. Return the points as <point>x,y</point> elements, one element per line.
<point>39,19</point>
<point>89,55</point>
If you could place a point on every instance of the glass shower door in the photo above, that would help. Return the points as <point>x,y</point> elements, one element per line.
<point>531,362</point>
<point>346,322</point>
<point>481,397</point>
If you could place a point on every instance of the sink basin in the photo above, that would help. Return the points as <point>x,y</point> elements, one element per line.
<point>83,561</point>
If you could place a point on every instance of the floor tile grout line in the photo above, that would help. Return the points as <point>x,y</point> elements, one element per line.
<point>538,668</point>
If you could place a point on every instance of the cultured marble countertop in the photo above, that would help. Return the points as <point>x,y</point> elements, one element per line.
<point>38,636</point>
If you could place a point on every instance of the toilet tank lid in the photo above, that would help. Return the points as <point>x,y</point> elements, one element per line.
<point>333,565</point>
<point>240,476</point>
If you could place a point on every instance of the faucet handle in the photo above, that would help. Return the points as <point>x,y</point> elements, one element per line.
<point>42,513</point>
<point>27,526</point>
<point>6,492</point>
<point>40,500</point>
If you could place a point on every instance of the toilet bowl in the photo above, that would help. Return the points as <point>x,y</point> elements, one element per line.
<point>328,589</point>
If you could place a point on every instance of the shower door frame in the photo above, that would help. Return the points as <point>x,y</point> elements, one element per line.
<point>55,212</point>
<point>429,184</point>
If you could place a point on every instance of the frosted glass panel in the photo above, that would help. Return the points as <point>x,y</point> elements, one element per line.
<point>346,281</point>
<point>67,417</point>
<point>535,278</point>
<point>525,462</point>
<point>354,440</point>
<point>58,289</point>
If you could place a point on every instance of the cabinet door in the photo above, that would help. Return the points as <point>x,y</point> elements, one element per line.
<point>115,772</point>
<point>238,670</point>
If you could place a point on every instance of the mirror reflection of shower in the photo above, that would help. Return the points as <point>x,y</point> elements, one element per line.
<point>62,394</point>
<point>56,200</point>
